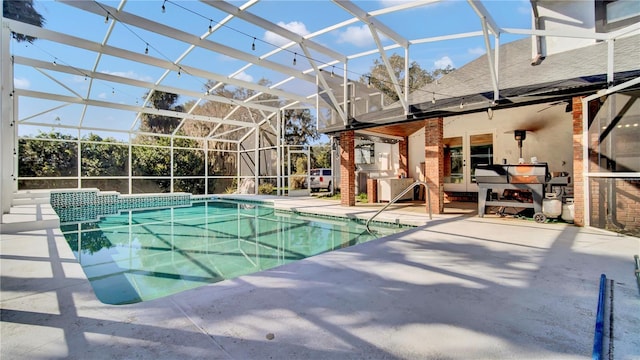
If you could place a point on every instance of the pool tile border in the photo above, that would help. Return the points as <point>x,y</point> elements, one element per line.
<point>73,205</point>
<point>83,204</point>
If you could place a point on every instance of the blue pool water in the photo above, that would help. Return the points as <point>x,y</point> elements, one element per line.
<point>139,255</point>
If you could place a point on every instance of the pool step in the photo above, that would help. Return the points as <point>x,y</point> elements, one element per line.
<point>29,217</point>
<point>27,197</point>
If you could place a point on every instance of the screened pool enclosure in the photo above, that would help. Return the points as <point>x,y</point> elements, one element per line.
<point>208,97</point>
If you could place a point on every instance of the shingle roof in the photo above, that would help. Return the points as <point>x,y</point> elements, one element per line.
<point>516,71</point>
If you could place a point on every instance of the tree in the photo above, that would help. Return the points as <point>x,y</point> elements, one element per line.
<point>321,156</point>
<point>23,11</point>
<point>418,77</point>
<point>92,238</point>
<point>104,157</point>
<point>154,162</point>
<point>300,127</point>
<point>158,123</point>
<point>438,73</point>
<point>50,154</point>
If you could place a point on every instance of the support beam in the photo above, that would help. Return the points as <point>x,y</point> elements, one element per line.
<point>483,13</point>
<point>104,104</point>
<point>496,58</point>
<point>371,21</point>
<point>280,154</point>
<point>269,26</point>
<point>406,79</point>
<point>580,163</point>
<point>387,64</point>
<point>538,23</point>
<point>7,125</point>
<point>31,30</point>
<point>256,161</point>
<point>187,38</point>
<point>403,151</point>
<point>492,68</point>
<point>610,61</point>
<point>565,33</point>
<point>325,85</point>
<point>347,169</point>
<point>434,162</point>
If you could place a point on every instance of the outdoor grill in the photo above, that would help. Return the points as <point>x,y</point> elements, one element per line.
<point>524,183</point>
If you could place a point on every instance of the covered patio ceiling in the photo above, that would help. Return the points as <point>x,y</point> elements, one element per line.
<point>95,68</point>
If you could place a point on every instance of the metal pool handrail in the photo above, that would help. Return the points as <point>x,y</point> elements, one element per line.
<point>410,187</point>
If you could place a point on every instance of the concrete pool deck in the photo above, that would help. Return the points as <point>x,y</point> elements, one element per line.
<point>454,287</point>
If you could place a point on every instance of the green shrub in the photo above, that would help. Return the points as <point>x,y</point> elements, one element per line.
<point>266,189</point>
<point>297,182</point>
<point>232,188</point>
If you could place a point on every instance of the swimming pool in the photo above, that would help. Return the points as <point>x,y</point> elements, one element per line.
<point>140,255</point>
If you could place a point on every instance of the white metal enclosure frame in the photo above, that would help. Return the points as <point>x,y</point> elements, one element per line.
<point>294,84</point>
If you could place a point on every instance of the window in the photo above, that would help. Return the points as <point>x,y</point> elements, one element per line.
<point>616,126</point>
<point>365,153</point>
<point>616,14</point>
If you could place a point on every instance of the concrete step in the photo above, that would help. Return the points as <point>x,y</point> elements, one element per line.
<point>29,217</point>
<point>29,201</point>
<point>31,194</point>
<point>29,197</point>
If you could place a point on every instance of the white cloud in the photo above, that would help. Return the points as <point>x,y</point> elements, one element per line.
<point>443,62</point>
<point>129,74</point>
<point>356,35</point>
<point>102,95</point>
<point>294,26</point>
<point>21,83</point>
<point>477,51</point>
<point>244,77</point>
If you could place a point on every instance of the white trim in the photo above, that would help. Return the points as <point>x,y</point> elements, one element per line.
<point>620,175</point>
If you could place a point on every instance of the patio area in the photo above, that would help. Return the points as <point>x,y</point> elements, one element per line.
<point>454,287</point>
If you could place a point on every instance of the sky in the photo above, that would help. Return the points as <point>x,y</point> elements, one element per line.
<point>193,17</point>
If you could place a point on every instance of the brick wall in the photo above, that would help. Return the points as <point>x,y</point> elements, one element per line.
<point>446,165</point>
<point>578,148</point>
<point>372,190</point>
<point>347,169</point>
<point>403,147</point>
<point>615,204</point>
<point>434,168</point>
<point>627,196</point>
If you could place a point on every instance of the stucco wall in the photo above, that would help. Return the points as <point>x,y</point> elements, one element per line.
<point>575,15</point>
<point>566,17</point>
<point>385,161</point>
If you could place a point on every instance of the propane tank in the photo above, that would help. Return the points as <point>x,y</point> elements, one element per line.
<point>551,205</point>
<point>568,210</point>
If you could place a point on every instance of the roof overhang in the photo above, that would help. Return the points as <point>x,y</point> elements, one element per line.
<point>386,121</point>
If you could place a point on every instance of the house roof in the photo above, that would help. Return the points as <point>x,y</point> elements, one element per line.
<point>516,71</point>
<point>558,76</point>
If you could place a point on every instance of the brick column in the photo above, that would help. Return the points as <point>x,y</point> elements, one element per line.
<point>372,190</point>
<point>403,147</point>
<point>434,158</point>
<point>578,171</point>
<point>347,169</point>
